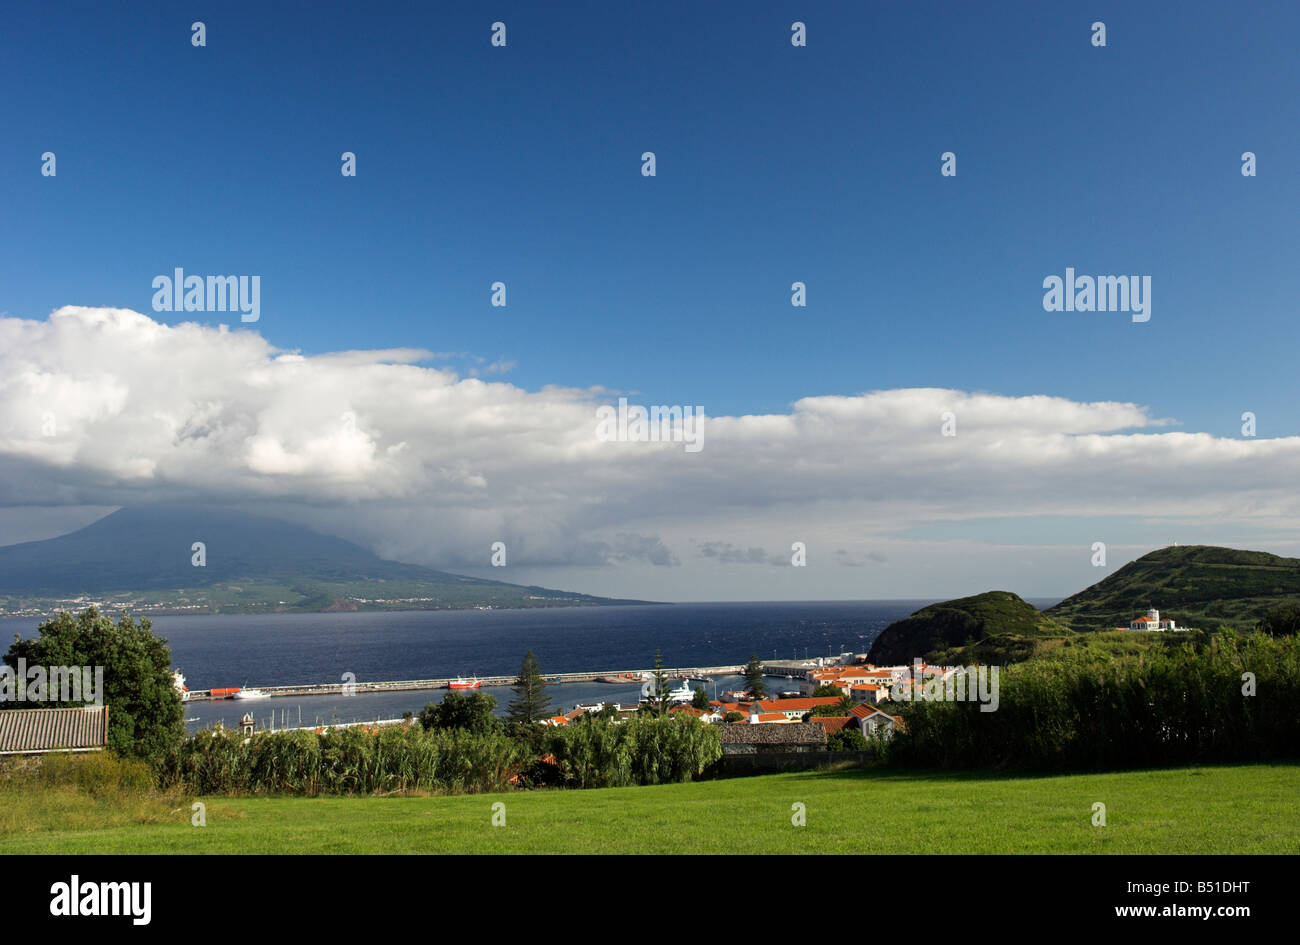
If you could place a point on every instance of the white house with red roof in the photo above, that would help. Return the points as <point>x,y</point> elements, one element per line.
<point>1152,621</point>
<point>868,719</point>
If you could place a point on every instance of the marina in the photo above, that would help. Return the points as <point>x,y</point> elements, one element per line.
<point>694,674</point>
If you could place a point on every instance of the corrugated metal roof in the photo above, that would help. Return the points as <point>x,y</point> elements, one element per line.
<point>40,730</point>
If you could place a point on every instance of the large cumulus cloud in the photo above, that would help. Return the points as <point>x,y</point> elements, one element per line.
<point>109,407</point>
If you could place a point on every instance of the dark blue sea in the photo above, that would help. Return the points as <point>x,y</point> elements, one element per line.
<point>284,649</point>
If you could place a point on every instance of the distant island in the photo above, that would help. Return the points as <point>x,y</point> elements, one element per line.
<point>142,560</point>
<point>1201,586</point>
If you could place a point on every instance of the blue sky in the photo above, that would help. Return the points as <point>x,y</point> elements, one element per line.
<point>775,164</point>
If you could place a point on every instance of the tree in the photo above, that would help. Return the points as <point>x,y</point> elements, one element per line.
<point>657,701</point>
<point>826,689</point>
<point>837,710</point>
<point>474,713</point>
<point>145,715</point>
<point>701,699</point>
<point>531,703</point>
<point>1282,621</point>
<point>846,739</point>
<point>754,683</point>
<point>734,717</point>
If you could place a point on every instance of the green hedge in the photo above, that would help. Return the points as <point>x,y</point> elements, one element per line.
<point>592,752</point>
<point>353,760</point>
<point>1178,706</point>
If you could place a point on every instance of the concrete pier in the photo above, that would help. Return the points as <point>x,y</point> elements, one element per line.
<point>632,677</point>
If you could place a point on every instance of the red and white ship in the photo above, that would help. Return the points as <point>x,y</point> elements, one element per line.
<point>463,683</point>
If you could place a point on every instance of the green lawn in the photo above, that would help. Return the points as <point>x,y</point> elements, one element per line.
<point>1232,809</point>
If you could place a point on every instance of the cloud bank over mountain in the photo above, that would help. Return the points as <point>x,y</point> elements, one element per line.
<point>108,407</point>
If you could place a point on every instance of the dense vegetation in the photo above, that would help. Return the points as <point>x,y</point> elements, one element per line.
<point>1233,699</point>
<point>1200,586</point>
<point>596,752</point>
<point>82,793</point>
<point>1004,624</point>
<point>354,760</point>
<point>1203,587</point>
<point>1281,621</point>
<point>413,759</point>
<point>145,716</point>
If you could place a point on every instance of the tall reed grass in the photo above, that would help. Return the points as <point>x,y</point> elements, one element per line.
<point>357,760</point>
<point>1187,705</point>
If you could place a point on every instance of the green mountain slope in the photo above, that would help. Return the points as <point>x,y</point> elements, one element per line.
<point>1200,586</point>
<point>142,559</point>
<point>999,625</point>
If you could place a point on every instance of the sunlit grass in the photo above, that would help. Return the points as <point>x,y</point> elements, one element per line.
<point>1226,809</point>
<point>79,792</point>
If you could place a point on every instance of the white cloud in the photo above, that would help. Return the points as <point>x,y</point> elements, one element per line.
<point>429,465</point>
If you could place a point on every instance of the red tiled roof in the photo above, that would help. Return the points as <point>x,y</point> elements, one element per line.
<point>863,710</point>
<point>795,705</point>
<point>832,723</point>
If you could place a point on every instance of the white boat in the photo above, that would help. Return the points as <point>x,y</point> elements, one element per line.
<point>683,693</point>
<point>178,681</point>
<point>250,694</point>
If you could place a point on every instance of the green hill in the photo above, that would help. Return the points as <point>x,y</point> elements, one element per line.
<point>141,560</point>
<point>996,626</point>
<point>1200,586</point>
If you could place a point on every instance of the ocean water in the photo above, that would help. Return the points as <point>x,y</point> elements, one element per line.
<point>285,649</point>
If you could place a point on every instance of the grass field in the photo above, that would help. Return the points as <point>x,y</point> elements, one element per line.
<point>1230,809</point>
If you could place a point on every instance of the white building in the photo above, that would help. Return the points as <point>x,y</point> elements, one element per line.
<point>1152,621</point>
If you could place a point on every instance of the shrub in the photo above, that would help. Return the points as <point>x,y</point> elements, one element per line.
<point>1183,705</point>
<point>641,750</point>
<point>353,760</point>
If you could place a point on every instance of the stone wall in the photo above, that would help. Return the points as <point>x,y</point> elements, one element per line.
<point>768,762</point>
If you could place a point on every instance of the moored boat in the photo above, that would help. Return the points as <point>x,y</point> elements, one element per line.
<point>682,694</point>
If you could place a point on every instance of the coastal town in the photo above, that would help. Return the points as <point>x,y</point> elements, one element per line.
<point>824,687</point>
